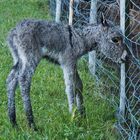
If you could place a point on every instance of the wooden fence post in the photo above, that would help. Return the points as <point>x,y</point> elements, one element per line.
<point>93,20</point>
<point>71,12</point>
<point>58,11</point>
<point>124,25</point>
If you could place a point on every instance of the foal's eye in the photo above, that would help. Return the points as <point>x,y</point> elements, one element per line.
<point>116,40</point>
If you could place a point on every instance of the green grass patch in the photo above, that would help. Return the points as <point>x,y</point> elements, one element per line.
<point>47,91</point>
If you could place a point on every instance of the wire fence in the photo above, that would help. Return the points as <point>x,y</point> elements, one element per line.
<point>107,72</point>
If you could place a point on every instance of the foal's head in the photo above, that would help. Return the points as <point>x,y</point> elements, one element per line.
<point>111,41</point>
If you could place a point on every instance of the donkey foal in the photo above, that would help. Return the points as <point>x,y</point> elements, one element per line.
<point>32,40</point>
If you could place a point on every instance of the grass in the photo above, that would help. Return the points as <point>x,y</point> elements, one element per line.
<point>47,91</point>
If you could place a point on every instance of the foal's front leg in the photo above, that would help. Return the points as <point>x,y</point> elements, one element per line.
<point>69,77</point>
<point>79,96</point>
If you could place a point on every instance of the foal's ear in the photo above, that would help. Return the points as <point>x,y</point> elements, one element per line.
<point>103,20</point>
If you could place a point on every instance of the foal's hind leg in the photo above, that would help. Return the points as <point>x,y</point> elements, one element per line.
<point>25,82</point>
<point>79,96</point>
<point>11,87</point>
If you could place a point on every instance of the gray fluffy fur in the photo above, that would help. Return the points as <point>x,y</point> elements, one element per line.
<point>32,40</point>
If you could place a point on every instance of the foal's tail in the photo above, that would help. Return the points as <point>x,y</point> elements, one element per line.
<point>11,44</point>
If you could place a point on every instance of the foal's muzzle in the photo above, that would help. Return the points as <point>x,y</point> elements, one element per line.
<point>123,57</point>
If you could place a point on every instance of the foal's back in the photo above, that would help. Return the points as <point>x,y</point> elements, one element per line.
<point>36,34</point>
